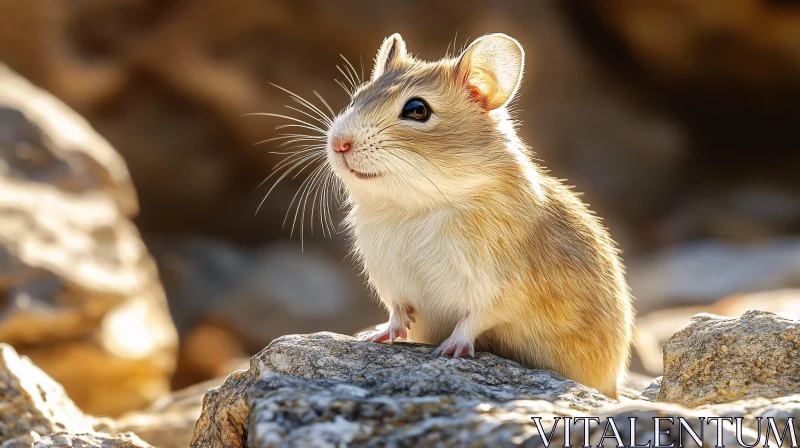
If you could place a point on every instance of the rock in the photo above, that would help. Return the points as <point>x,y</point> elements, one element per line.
<point>393,382</point>
<point>78,285</point>
<point>655,328</point>
<point>716,359</point>
<point>30,401</point>
<point>780,409</point>
<point>703,272</point>
<point>298,412</point>
<point>169,422</point>
<point>70,440</point>
<point>633,385</point>
<point>650,393</point>
<point>645,413</point>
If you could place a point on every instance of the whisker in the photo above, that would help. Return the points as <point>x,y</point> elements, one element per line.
<point>355,74</point>
<point>306,103</point>
<point>302,126</point>
<point>313,117</point>
<point>283,136</point>
<point>283,164</point>
<point>299,189</point>
<point>304,188</point>
<point>286,117</point>
<point>305,202</point>
<point>346,90</point>
<point>348,78</point>
<point>325,103</point>
<point>300,149</point>
<point>283,176</point>
<point>361,61</point>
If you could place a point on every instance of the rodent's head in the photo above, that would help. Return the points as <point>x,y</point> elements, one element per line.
<point>422,131</point>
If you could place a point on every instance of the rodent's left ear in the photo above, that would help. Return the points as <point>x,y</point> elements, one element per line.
<point>392,50</point>
<point>492,69</point>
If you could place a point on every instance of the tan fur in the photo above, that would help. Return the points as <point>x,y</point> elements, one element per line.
<point>461,231</point>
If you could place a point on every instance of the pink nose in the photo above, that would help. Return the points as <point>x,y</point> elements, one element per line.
<point>341,144</point>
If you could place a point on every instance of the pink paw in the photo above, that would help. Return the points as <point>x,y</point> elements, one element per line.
<point>458,349</point>
<point>390,333</point>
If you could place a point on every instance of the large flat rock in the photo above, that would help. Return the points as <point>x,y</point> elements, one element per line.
<point>299,382</point>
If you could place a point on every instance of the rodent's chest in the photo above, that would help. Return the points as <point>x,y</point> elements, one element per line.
<point>424,257</point>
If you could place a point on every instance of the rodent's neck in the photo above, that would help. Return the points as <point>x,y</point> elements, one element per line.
<point>516,186</point>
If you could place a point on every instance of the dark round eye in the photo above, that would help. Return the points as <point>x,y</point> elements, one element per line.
<point>416,109</point>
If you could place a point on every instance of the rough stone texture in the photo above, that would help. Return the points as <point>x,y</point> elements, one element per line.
<point>780,409</point>
<point>78,285</point>
<point>384,378</point>
<point>73,440</point>
<point>30,401</point>
<point>645,412</point>
<point>716,359</point>
<point>298,412</point>
<point>650,393</point>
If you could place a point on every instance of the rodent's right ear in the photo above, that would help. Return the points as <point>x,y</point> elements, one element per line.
<point>392,50</point>
<point>492,69</point>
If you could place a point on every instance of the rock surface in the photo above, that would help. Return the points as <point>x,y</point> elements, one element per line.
<point>650,393</point>
<point>79,286</point>
<point>395,383</point>
<point>717,360</point>
<point>30,401</point>
<point>69,440</point>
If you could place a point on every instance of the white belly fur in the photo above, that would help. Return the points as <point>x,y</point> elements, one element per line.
<point>424,263</point>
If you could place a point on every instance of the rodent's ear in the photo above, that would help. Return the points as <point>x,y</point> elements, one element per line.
<point>491,67</point>
<point>392,50</point>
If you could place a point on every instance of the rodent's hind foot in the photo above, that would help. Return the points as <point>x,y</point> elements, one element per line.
<point>456,348</point>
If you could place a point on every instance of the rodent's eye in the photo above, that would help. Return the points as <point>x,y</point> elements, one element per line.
<point>416,109</point>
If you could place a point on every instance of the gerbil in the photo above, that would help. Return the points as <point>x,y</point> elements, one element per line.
<point>466,241</point>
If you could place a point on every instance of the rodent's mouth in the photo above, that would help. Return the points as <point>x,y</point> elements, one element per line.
<point>359,174</point>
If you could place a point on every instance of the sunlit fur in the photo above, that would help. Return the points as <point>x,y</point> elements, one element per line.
<point>460,226</point>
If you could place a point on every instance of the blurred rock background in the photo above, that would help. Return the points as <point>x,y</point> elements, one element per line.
<point>678,120</point>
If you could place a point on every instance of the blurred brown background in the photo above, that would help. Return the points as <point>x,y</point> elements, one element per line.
<point>678,119</point>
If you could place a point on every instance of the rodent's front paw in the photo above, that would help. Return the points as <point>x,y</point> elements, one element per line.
<point>390,333</point>
<point>457,348</point>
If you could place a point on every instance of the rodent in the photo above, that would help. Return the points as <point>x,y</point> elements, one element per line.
<point>467,242</point>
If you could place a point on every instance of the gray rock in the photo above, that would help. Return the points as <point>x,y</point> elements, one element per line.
<point>342,378</point>
<point>717,360</point>
<point>651,392</point>
<point>78,284</point>
<point>645,414</point>
<point>288,411</point>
